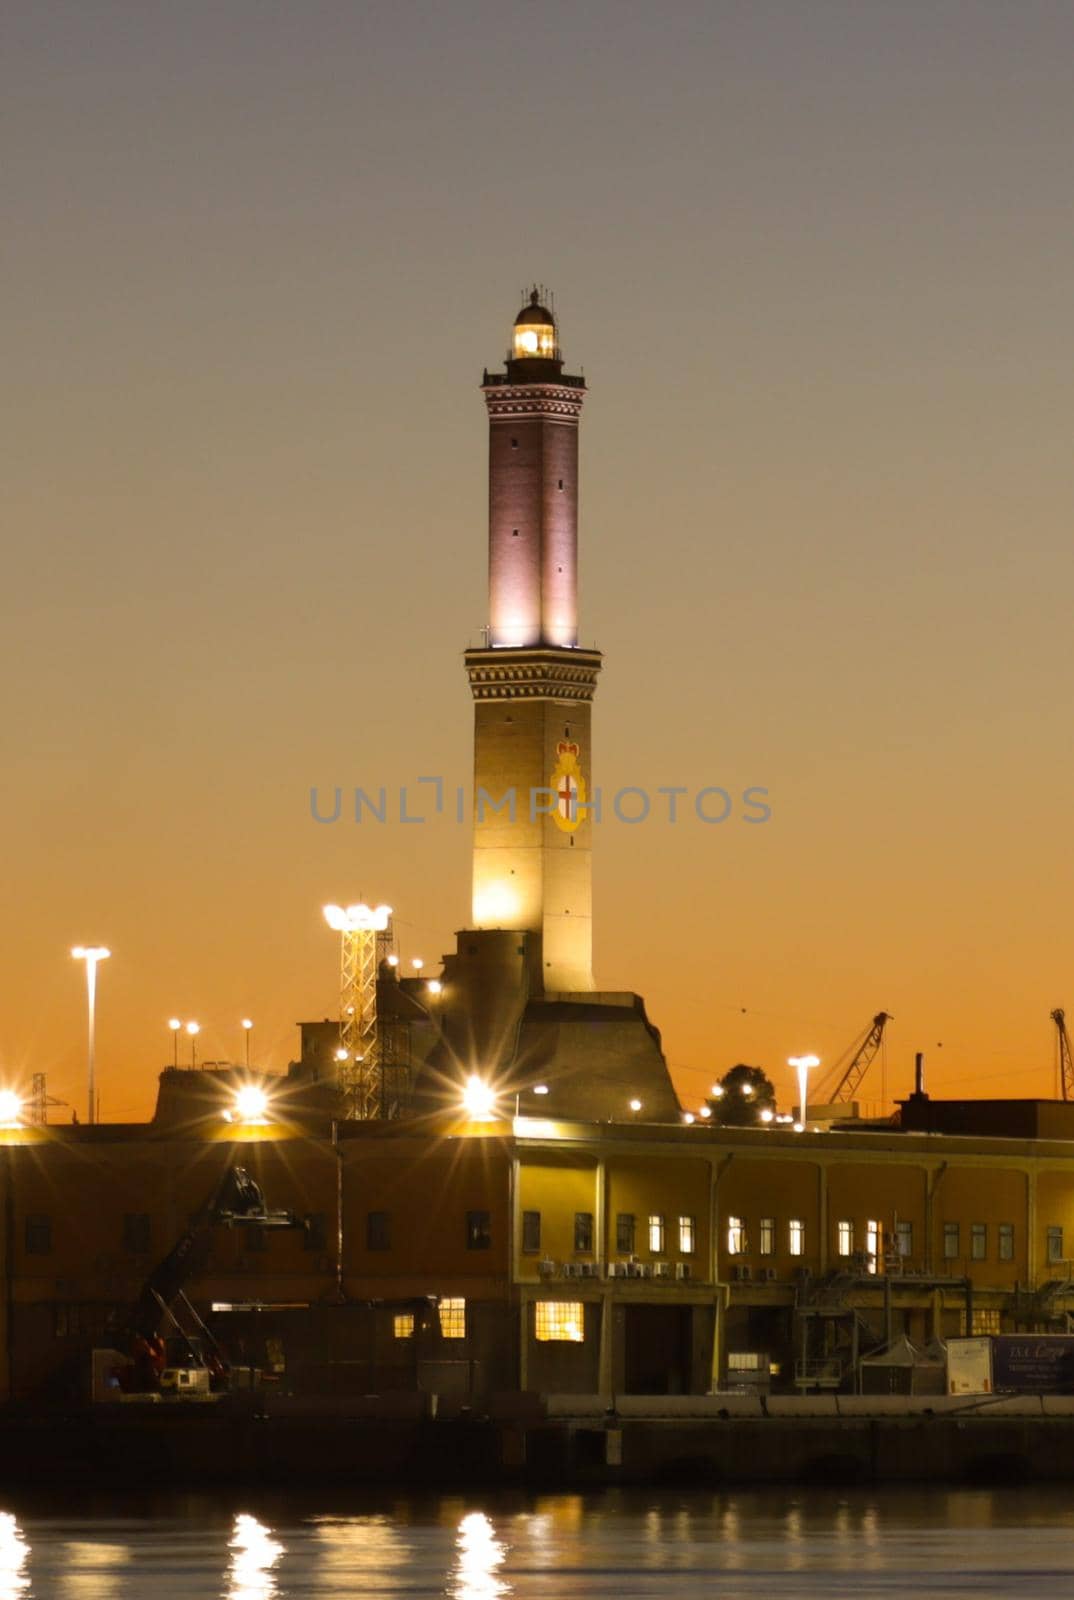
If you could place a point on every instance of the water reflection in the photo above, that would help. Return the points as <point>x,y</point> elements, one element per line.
<point>478,1553</point>
<point>254,1553</point>
<point>14,1550</point>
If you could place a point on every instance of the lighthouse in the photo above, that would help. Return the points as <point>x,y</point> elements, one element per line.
<point>516,1005</point>
<point>532,683</point>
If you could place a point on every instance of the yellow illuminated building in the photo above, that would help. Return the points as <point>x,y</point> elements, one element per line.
<point>475,1258</point>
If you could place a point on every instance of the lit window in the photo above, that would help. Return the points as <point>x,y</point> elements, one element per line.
<point>978,1241</point>
<point>904,1239</point>
<point>452,1319</point>
<point>766,1236</point>
<point>1055,1244</point>
<point>736,1236</point>
<point>987,1321</point>
<point>583,1232</point>
<point>1006,1241</point>
<point>624,1233</point>
<point>872,1244</point>
<point>950,1241</point>
<point>478,1230</point>
<point>656,1235</point>
<point>844,1236</point>
<point>796,1236</point>
<point>560,1321</point>
<point>531,1232</point>
<point>746,1361</point>
<point>403,1325</point>
<point>687,1236</point>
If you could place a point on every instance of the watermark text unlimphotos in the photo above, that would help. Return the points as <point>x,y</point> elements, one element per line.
<point>424,799</point>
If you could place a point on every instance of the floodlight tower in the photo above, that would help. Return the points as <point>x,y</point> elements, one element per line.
<point>359,1055</point>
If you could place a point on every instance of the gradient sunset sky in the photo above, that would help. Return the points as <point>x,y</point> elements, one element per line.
<point>815,260</point>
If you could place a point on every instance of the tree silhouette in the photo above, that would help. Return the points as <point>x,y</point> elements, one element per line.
<point>747,1091</point>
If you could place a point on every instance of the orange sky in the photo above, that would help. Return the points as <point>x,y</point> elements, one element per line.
<point>815,263</point>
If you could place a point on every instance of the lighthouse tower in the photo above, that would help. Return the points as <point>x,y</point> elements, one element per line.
<point>532,685</point>
<point>516,1004</point>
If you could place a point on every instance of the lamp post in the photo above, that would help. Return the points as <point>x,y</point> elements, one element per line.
<point>193,1029</point>
<point>91,954</point>
<point>174,1024</point>
<point>247,1027</point>
<point>802,1065</point>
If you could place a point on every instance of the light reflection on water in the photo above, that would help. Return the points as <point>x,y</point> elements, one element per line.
<point>254,1553</point>
<point>13,1553</point>
<point>665,1545</point>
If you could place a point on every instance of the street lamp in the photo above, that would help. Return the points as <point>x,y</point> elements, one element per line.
<point>91,954</point>
<point>175,1025</point>
<point>10,1108</point>
<point>247,1025</point>
<point>193,1029</point>
<point>802,1065</point>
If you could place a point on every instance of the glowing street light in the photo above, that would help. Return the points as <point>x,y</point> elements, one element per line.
<point>417,963</point>
<point>92,955</point>
<point>247,1028</point>
<point>10,1108</point>
<point>478,1099</point>
<point>175,1025</point>
<point>193,1029</point>
<point>802,1066</point>
<point>251,1104</point>
<point>635,1106</point>
<point>434,986</point>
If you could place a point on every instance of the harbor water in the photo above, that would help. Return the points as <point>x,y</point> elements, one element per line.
<point>685,1544</point>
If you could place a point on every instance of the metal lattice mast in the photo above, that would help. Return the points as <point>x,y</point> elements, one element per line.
<point>359,1055</point>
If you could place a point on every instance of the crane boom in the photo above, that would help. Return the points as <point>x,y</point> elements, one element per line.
<point>862,1054</point>
<point>236,1201</point>
<point>1066,1064</point>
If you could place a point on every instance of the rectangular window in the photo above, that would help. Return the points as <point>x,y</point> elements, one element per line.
<point>378,1230</point>
<point>478,1230</point>
<point>796,1236</point>
<point>766,1236</point>
<point>583,1232</point>
<point>38,1236</point>
<point>531,1232</point>
<point>560,1322</point>
<point>736,1236</point>
<point>1055,1244</point>
<point>403,1325</point>
<point>136,1233</point>
<point>1006,1241</point>
<point>904,1239</point>
<point>687,1236</point>
<point>987,1321</point>
<point>452,1319</point>
<point>950,1241</point>
<point>315,1233</point>
<point>872,1245</point>
<point>844,1238</point>
<point>624,1233</point>
<point>656,1235</point>
<point>978,1241</point>
<point>746,1361</point>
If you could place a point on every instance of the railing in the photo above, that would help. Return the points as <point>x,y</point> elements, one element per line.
<point>823,1373</point>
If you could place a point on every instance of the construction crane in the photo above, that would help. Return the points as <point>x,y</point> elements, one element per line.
<point>186,1360</point>
<point>358,1056</point>
<point>848,1072</point>
<point>1064,1063</point>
